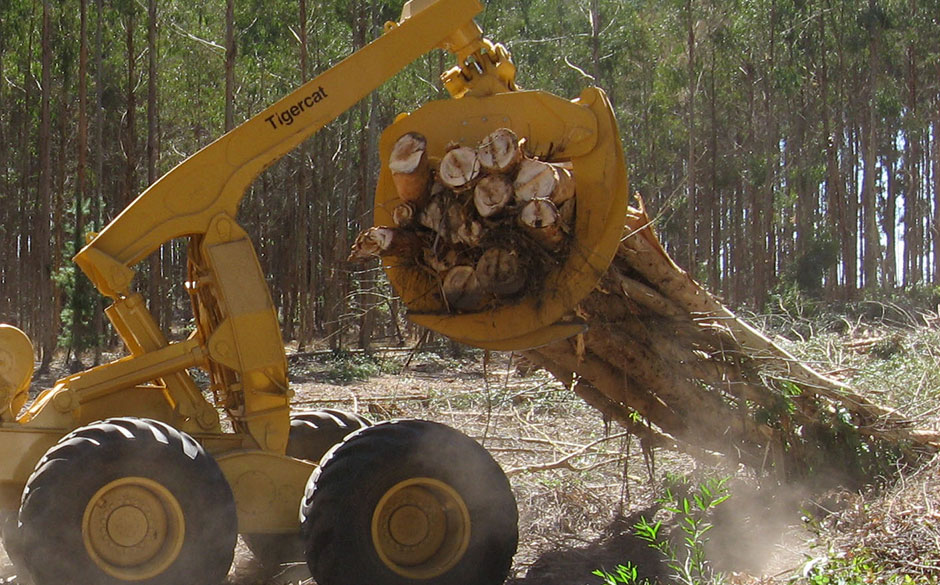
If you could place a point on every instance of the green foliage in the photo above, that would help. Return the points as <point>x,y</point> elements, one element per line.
<point>691,507</point>
<point>345,367</point>
<point>77,315</point>
<point>852,569</point>
<point>808,270</point>
<point>691,515</point>
<point>624,575</point>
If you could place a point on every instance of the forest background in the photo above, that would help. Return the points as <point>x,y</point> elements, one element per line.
<point>783,146</point>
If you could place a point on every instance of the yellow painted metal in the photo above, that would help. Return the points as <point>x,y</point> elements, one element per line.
<point>133,528</point>
<point>16,370</point>
<point>140,331</point>
<point>421,528</point>
<point>267,487</point>
<point>133,370</point>
<point>22,448</point>
<point>582,132</point>
<point>246,340</point>
<point>539,337</point>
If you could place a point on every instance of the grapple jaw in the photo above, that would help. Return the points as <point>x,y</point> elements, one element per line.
<point>581,134</point>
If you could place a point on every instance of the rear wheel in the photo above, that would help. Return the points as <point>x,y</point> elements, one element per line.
<point>312,434</point>
<point>409,502</point>
<point>127,501</point>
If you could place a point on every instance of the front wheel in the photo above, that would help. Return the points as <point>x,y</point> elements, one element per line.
<point>409,502</point>
<point>127,501</point>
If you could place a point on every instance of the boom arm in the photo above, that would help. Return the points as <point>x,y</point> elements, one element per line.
<point>214,180</point>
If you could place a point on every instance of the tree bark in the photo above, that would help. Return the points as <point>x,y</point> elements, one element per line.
<point>871,251</point>
<point>692,202</point>
<point>43,254</point>
<point>155,284</point>
<point>230,53</point>
<point>130,120</point>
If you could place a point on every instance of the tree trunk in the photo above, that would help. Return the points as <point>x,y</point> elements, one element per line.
<point>155,284</point>
<point>230,53</point>
<point>81,284</point>
<point>43,253</point>
<point>692,202</point>
<point>871,250</point>
<point>130,120</point>
<point>936,185</point>
<point>662,351</point>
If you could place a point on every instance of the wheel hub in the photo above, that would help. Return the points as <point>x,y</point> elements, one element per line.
<point>133,528</point>
<point>128,526</point>
<point>421,528</point>
<point>409,526</point>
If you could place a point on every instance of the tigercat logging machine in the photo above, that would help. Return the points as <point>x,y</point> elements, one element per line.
<point>126,473</point>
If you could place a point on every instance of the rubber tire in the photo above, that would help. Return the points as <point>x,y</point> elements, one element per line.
<point>312,434</point>
<point>342,494</point>
<point>71,473</point>
<point>12,538</point>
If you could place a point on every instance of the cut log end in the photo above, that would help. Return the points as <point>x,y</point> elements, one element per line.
<point>492,194</point>
<point>536,180</point>
<point>385,241</point>
<point>404,215</point>
<point>462,290</point>
<point>499,272</point>
<point>541,221</point>
<point>411,172</point>
<point>501,151</point>
<point>408,153</point>
<point>459,168</point>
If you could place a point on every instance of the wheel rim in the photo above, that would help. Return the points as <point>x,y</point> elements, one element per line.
<point>421,528</point>
<point>133,528</point>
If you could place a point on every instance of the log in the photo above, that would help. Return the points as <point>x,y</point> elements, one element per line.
<point>499,272</point>
<point>432,216</point>
<point>492,194</point>
<point>411,171</point>
<point>460,168</point>
<point>662,349</point>
<point>536,180</point>
<point>463,212</point>
<point>540,220</point>
<point>461,289</point>
<point>566,214</point>
<point>439,261</point>
<point>565,187</point>
<point>500,152</point>
<point>385,241</point>
<point>404,215</point>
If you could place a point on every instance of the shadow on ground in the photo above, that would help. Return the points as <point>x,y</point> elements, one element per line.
<point>616,546</point>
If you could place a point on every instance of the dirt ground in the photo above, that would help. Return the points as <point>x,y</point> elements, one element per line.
<point>579,483</point>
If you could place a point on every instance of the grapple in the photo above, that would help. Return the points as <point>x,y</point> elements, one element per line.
<point>582,133</point>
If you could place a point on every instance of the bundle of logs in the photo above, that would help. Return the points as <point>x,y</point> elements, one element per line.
<point>489,221</point>
<point>667,360</point>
